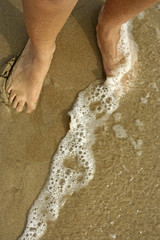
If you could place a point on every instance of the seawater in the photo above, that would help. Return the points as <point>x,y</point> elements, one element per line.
<point>73,164</point>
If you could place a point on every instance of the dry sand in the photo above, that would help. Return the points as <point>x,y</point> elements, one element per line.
<point>123,199</point>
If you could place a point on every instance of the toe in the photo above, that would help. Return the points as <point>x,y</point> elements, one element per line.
<point>12,96</point>
<point>20,106</point>
<point>15,102</point>
<point>31,107</point>
<point>9,89</point>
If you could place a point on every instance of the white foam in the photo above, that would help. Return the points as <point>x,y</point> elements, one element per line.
<point>154,85</point>
<point>120,131</point>
<point>140,15</point>
<point>112,235</point>
<point>117,116</point>
<point>137,144</point>
<point>73,164</point>
<point>158,5</point>
<point>129,49</point>
<point>158,32</point>
<point>144,100</point>
<point>139,123</point>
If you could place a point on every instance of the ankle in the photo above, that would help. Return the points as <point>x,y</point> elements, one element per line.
<point>107,33</point>
<point>106,25</point>
<point>42,55</point>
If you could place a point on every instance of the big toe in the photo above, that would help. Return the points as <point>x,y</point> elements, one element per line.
<point>31,107</point>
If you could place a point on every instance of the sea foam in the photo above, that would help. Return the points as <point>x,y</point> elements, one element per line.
<point>73,164</point>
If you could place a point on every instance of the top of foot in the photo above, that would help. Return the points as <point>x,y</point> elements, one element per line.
<point>27,80</point>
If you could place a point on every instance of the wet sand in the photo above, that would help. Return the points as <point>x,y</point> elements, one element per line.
<point>122,200</point>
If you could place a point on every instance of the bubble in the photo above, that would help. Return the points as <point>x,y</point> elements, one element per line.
<point>73,164</point>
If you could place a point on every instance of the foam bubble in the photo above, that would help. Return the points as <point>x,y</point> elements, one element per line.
<point>120,131</point>
<point>117,116</point>
<point>140,15</point>
<point>158,5</point>
<point>73,164</point>
<point>154,85</point>
<point>137,144</point>
<point>128,48</point>
<point>158,32</point>
<point>112,235</point>
<point>144,100</point>
<point>139,123</point>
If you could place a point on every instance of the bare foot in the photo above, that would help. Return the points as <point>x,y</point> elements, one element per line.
<point>107,37</point>
<point>27,79</point>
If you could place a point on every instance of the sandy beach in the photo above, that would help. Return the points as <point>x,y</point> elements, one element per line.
<point>122,201</point>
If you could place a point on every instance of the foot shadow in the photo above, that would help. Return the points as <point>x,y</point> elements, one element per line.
<point>12,28</point>
<point>86,14</point>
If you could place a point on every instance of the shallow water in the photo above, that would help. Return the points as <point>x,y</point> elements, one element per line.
<point>73,164</point>
<point>122,200</point>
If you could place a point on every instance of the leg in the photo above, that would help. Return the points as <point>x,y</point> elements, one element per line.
<point>112,15</point>
<point>44,20</point>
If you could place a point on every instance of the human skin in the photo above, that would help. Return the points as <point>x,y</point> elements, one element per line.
<point>44,19</point>
<point>112,15</point>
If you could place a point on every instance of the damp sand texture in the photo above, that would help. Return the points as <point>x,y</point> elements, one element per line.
<point>122,200</point>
